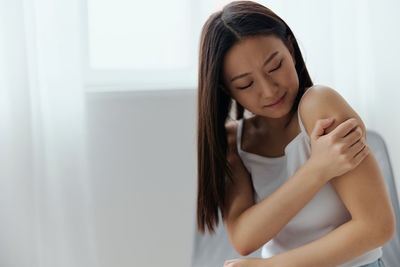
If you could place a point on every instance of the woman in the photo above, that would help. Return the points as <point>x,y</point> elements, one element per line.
<point>309,196</point>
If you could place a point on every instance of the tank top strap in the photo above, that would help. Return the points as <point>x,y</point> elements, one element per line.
<point>303,129</point>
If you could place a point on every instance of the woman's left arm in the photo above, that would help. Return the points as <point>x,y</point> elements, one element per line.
<point>362,191</point>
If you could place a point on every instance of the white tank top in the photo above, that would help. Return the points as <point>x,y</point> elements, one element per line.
<point>322,214</point>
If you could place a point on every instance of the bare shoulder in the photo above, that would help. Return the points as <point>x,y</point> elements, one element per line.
<point>321,101</point>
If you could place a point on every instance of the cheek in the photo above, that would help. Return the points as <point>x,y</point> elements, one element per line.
<point>247,99</point>
<point>288,77</point>
<point>244,99</point>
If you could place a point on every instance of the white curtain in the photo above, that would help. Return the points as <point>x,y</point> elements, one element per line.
<point>45,199</point>
<point>46,208</point>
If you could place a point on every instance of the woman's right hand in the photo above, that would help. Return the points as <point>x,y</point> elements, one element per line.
<point>340,151</point>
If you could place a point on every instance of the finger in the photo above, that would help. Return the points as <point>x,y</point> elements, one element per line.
<point>320,126</point>
<point>357,147</point>
<point>354,136</point>
<point>344,128</point>
<point>361,156</point>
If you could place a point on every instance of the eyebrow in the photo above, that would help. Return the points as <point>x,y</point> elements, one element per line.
<point>265,63</point>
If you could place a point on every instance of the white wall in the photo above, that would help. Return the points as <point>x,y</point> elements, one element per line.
<point>142,155</point>
<point>383,106</point>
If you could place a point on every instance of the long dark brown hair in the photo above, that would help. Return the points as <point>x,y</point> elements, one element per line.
<point>220,32</point>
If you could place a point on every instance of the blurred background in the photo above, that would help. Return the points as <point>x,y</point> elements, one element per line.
<point>98,118</point>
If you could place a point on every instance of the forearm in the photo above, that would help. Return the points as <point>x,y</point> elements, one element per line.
<point>258,224</point>
<point>348,241</point>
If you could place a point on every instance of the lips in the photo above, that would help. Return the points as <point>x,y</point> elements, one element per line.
<point>277,101</point>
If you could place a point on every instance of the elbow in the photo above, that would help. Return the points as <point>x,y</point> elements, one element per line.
<point>239,241</point>
<point>245,242</point>
<point>387,230</point>
<point>242,248</point>
<point>384,231</point>
<point>244,252</point>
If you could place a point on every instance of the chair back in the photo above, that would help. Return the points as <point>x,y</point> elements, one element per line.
<point>391,250</point>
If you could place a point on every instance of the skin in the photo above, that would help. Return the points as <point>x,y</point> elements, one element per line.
<point>267,84</point>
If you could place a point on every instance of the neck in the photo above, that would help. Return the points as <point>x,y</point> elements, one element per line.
<point>273,125</point>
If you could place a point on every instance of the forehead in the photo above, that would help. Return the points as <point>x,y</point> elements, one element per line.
<point>250,52</point>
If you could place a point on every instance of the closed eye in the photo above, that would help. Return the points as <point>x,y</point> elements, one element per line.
<point>246,86</point>
<point>280,64</point>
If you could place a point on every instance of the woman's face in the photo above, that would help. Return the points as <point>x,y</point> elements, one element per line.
<point>257,72</point>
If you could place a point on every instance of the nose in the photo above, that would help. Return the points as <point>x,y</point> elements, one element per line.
<point>268,89</point>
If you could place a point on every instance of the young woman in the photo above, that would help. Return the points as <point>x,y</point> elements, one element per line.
<point>306,190</point>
